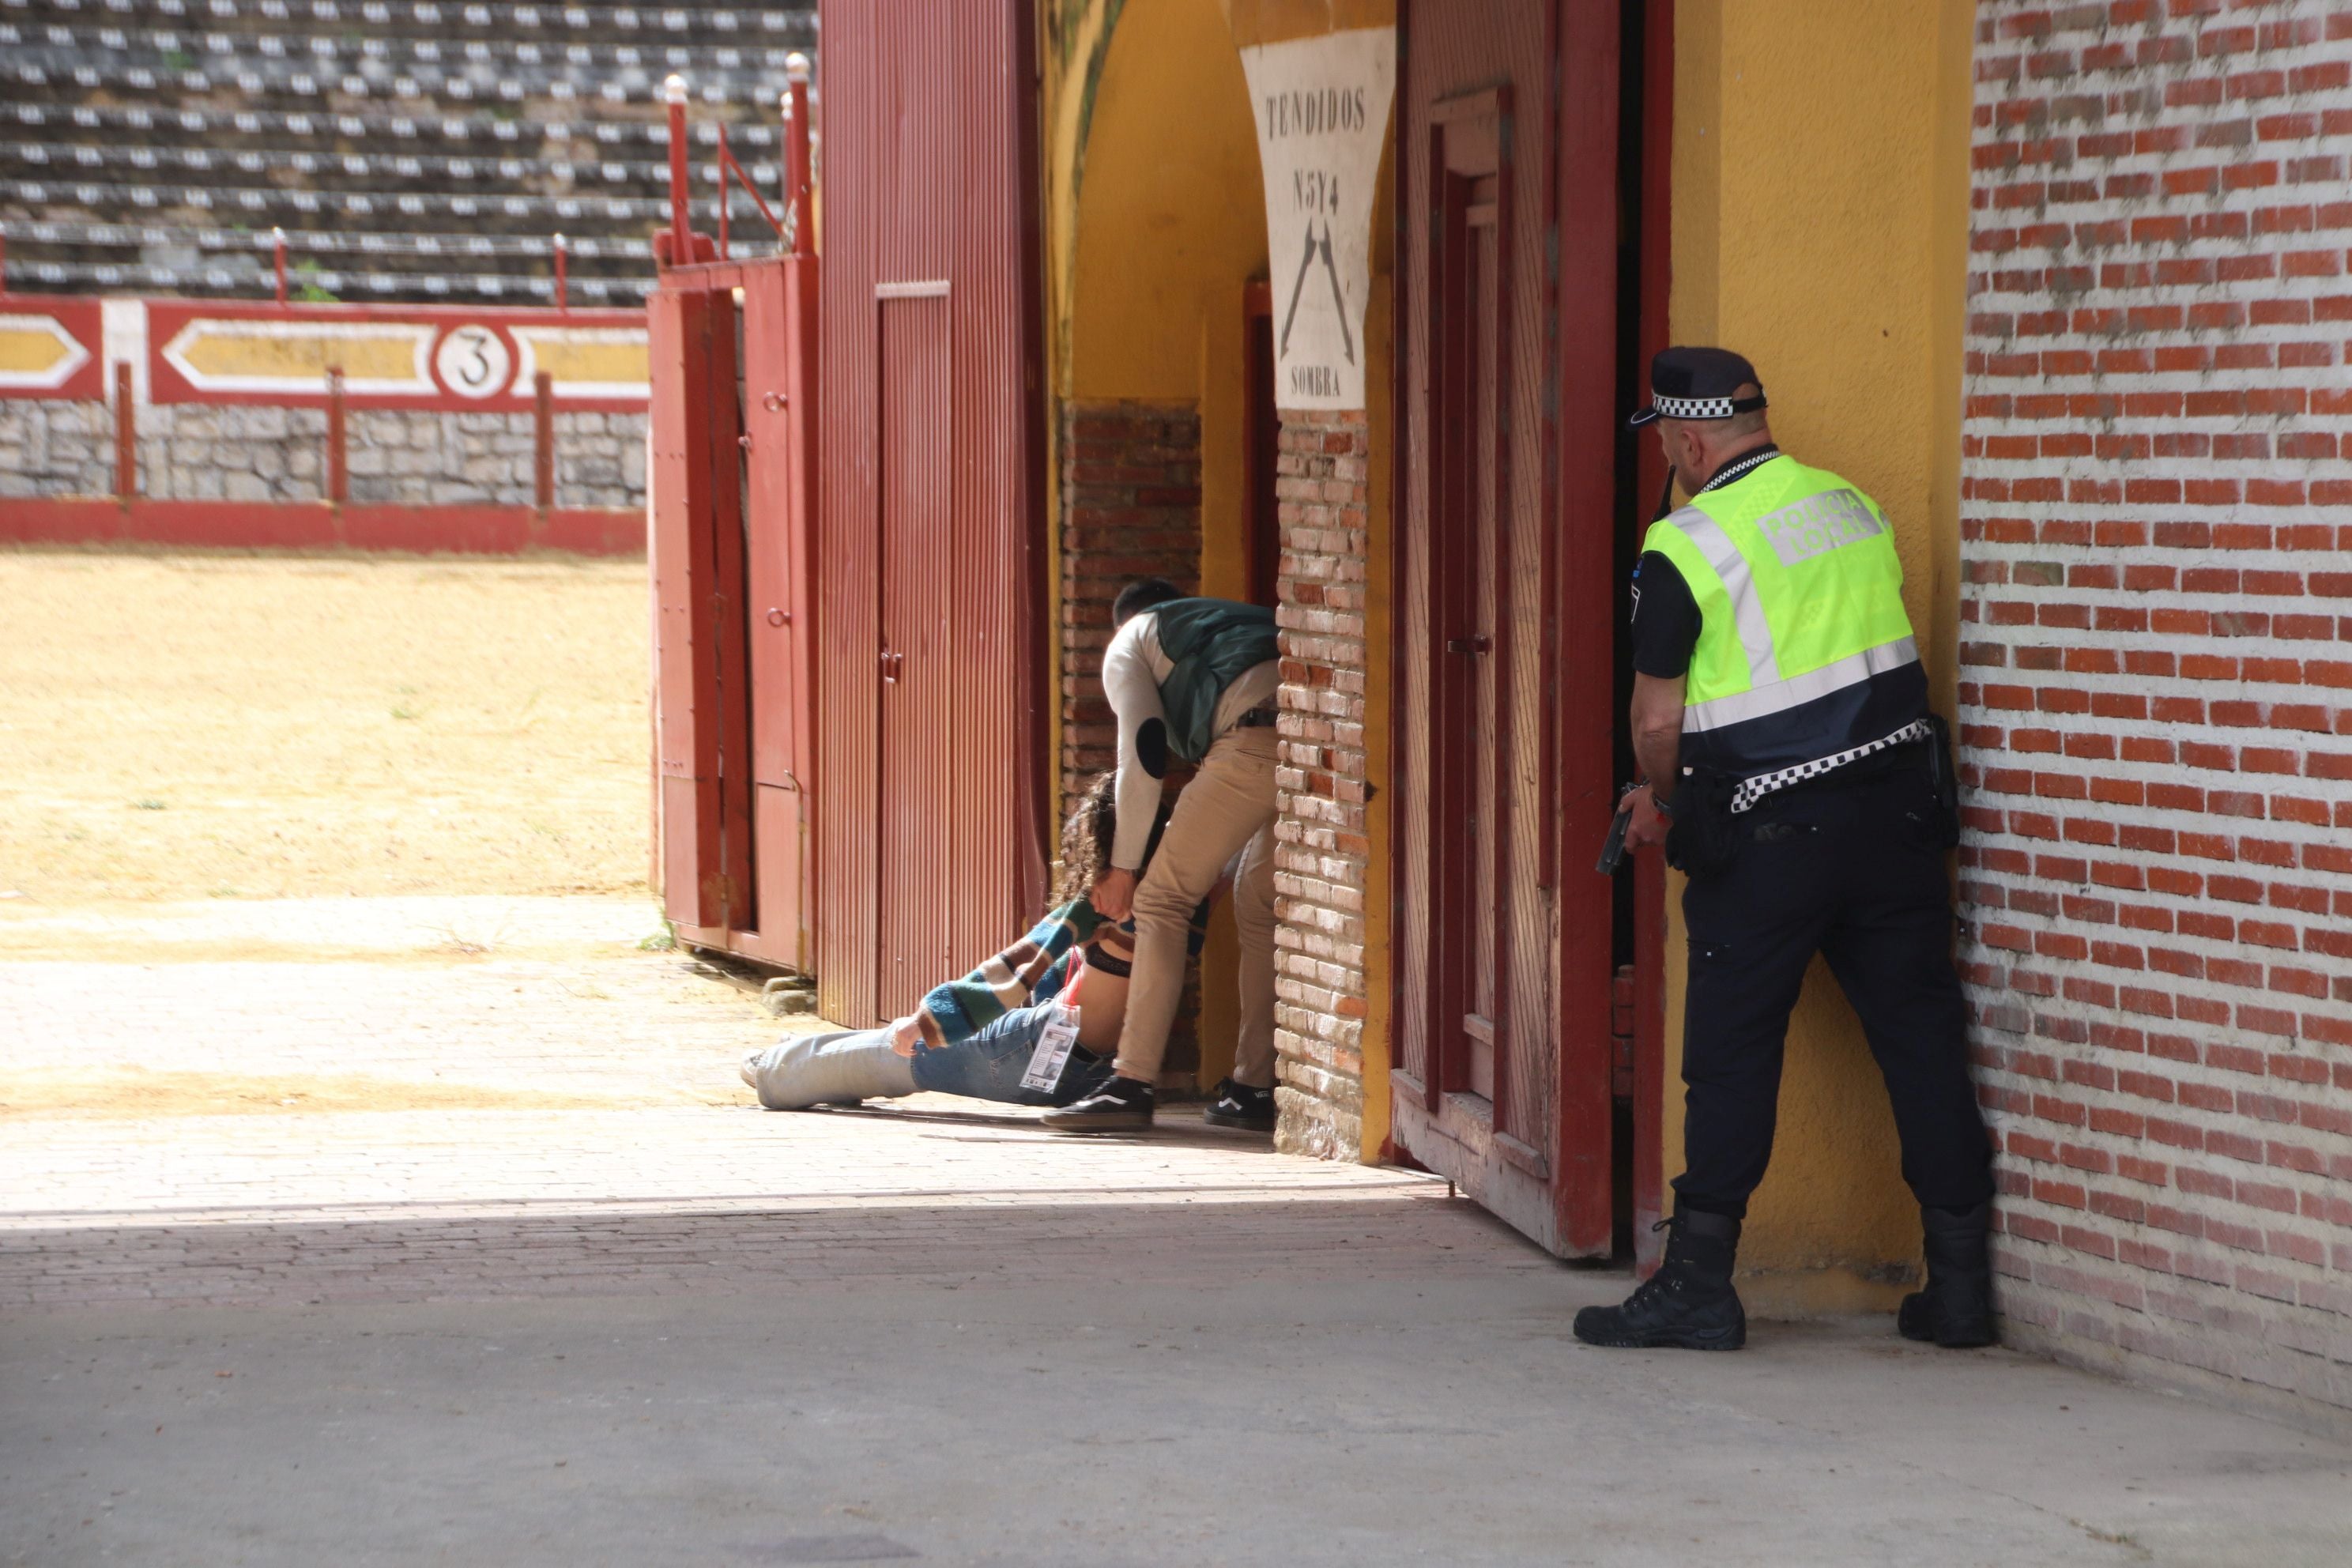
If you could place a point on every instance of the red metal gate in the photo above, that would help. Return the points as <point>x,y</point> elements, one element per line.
<point>852,706</point>
<point>930,808</point>
<point>733,488</point>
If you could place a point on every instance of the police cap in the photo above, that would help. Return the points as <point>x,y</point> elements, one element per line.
<point>1698,383</point>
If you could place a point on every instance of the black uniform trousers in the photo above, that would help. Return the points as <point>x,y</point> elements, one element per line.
<point>1847,866</point>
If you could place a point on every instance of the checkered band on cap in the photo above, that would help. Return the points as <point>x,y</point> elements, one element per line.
<point>1692,407</point>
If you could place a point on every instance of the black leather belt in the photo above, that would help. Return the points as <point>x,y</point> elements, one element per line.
<point>1259,717</point>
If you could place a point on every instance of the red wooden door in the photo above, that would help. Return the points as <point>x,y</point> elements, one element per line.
<point>778,395</point>
<point>704,732</point>
<point>1503,964</point>
<point>919,676</point>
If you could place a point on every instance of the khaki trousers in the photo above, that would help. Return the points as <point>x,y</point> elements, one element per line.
<point>1223,819</point>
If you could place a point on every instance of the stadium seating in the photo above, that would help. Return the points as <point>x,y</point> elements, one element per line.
<point>411,150</point>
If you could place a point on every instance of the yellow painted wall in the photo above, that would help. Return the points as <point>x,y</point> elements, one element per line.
<point>1155,219</point>
<point>1820,227</point>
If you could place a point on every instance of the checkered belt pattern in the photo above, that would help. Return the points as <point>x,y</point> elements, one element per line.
<point>1750,790</point>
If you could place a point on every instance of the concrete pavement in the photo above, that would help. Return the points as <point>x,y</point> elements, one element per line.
<point>535,1284</point>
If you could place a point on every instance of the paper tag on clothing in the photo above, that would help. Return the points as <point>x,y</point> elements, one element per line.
<point>1052,1058</point>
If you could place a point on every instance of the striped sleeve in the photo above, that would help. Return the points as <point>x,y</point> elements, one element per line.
<point>962,1008</point>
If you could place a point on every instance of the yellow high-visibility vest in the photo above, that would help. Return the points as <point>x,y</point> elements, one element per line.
<point>1804,648</point>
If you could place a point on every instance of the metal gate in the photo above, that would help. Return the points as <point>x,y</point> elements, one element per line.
<point>929,810</point>
<point>733,486</point>
<point>852,708</point>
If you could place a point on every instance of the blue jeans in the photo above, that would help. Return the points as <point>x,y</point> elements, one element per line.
<point>989,1065</point>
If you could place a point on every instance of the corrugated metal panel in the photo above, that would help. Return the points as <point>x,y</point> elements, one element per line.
<point>928,181</point>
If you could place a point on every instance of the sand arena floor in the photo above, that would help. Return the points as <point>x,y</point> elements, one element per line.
<point>220,726</point>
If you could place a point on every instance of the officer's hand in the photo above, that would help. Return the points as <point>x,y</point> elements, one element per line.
<point>906,1035</point>
<point>1114,894</point>
<point>1648,825</point>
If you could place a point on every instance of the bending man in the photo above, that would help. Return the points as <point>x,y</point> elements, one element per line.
<point>1190,680</point>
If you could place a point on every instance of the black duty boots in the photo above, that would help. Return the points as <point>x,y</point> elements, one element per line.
<point>1688,1304</point>
<point>1956,1309</point>
<point>1121,1105</point>
<point>1237,1104</point>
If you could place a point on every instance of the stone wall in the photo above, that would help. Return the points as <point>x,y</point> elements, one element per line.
<point>55,448</point>
<point>189,452</point>
<point>1322,838</point>
<point>2157,734</point>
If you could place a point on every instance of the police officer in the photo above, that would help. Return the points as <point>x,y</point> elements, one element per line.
<point>1780,714</point>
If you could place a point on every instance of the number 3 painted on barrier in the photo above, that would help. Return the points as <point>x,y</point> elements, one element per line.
<point>473,362</point>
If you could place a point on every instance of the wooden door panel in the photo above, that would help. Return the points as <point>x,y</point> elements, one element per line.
<point>774,591</point>
<point>1479,594</point>
<point>778,428</point>
<point>687,730</point>
<point>729,616</point>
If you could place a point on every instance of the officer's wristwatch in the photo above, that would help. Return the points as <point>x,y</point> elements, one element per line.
<point>1662,807</point>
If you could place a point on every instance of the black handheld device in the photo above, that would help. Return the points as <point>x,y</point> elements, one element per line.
<point>1612,849</point>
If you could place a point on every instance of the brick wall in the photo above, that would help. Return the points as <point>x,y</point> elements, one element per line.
<point>1130,508</point>
<point>238,453</point>
<point>1322,842</point>
<point>2156,683</point>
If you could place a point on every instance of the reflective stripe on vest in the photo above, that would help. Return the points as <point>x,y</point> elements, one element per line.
<point>1800,595</point>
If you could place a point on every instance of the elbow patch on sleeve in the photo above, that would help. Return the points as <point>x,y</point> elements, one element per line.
<point>1151,748</point>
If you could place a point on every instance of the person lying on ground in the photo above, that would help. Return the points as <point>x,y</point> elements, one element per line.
<point>980,1036</point>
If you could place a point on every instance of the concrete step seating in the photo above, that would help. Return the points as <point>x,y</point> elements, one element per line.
<point>409,149</point>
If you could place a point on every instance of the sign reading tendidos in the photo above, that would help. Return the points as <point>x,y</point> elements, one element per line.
<point>1322,108</point>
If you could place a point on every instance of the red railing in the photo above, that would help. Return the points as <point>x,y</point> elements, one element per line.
<point>133,354</point>
<point>732,494</point>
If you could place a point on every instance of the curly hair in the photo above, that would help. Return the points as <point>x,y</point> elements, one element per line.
<point>1086,838</point>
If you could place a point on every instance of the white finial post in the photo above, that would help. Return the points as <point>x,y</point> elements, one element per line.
<point>796,152</point>
<point>681,224</point>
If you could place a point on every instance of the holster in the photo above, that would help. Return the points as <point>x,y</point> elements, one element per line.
<point>1944,782</point>
<point>1703,840</point>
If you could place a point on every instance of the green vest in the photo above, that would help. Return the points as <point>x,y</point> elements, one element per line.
<point>1804,649</point>
<point>1211,643</point>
